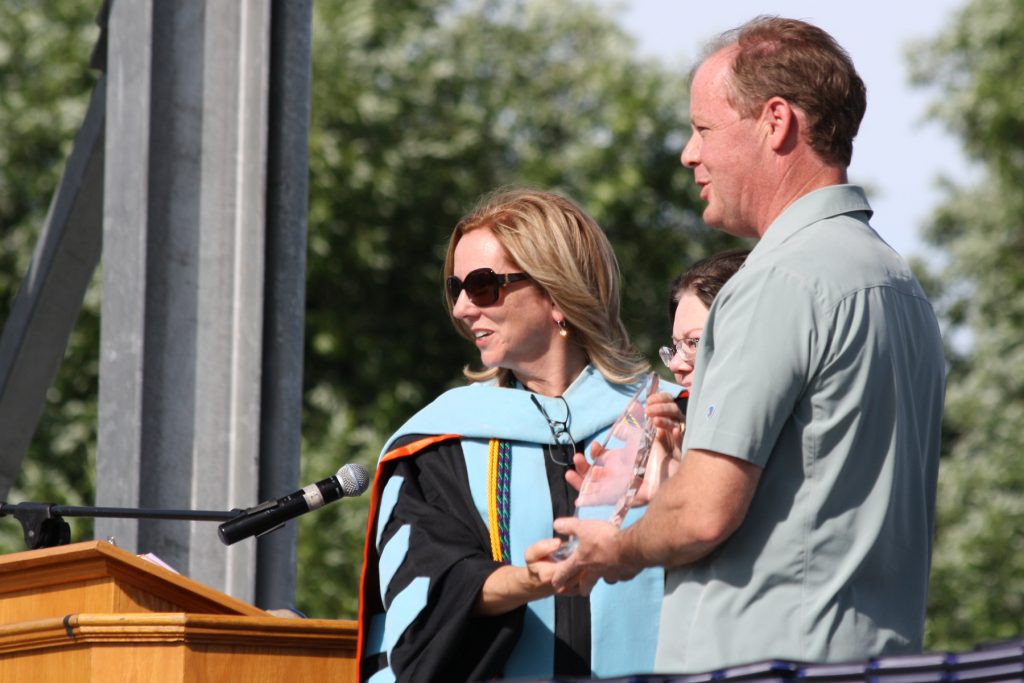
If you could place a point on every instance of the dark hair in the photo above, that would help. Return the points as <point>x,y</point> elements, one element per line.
<point>705,278</point>
<point>805,66</point>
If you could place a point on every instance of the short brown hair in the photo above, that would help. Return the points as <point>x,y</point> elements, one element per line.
<point>804,65</point>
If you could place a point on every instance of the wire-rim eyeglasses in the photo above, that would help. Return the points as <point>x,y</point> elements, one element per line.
<point>686,348</point>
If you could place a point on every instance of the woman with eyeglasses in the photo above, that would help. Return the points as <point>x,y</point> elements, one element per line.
<point>457,577</point>
<point>690,297</point>
<point>689,303</point>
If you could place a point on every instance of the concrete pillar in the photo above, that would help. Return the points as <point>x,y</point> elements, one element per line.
<point>183,269</point>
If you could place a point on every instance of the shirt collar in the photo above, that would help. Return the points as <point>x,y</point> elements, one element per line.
<point>820,204</point>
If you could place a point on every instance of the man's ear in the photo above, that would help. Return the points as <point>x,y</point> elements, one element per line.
<point>781,122</point>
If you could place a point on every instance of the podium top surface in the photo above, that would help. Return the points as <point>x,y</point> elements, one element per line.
<point>95,576</point>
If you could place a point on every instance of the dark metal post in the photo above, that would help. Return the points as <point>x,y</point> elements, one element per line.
<point>284,287</point>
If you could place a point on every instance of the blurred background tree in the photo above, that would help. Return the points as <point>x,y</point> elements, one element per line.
<point>418,109</point>
<point>45,83</point>
<point>977,589</point>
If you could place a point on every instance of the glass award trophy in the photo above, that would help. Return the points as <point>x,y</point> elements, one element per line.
<point>617,466</point>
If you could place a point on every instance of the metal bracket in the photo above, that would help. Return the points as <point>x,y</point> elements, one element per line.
<point>43,528</point>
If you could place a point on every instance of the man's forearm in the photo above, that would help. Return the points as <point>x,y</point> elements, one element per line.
<point>692,513</point>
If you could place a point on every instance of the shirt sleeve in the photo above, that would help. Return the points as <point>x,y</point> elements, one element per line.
<point>759,350</point>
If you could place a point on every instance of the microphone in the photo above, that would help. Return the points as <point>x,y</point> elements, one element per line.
<point>350,480</point>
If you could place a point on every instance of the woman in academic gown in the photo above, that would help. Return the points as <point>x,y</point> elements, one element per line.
<point>456,582</point>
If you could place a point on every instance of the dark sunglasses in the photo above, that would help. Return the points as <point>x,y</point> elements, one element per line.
<point>483,286</point>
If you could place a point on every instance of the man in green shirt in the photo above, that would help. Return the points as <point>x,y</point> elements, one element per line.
<point>799,524</point>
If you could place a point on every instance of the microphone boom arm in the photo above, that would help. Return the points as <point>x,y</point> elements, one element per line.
<point>43,524</point>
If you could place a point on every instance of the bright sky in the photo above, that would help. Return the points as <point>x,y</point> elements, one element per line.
<point>897,155</point>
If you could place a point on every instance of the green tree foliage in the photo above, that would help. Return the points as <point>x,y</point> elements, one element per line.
<point>45,83</point>
<point>418,109</point>
<point>977,590</point>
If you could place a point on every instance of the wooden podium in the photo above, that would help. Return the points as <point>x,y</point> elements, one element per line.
<point>93,612</point>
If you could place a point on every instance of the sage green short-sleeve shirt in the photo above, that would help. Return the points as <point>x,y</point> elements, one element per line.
<point>822,363</point>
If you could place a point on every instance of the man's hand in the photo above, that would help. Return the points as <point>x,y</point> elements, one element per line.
<point>510,586</point>
<point>598,555</point>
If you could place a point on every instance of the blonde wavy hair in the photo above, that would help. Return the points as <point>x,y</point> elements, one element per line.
<point>566,254</point>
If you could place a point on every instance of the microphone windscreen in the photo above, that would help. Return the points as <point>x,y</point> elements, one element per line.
<point>354,479</point>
